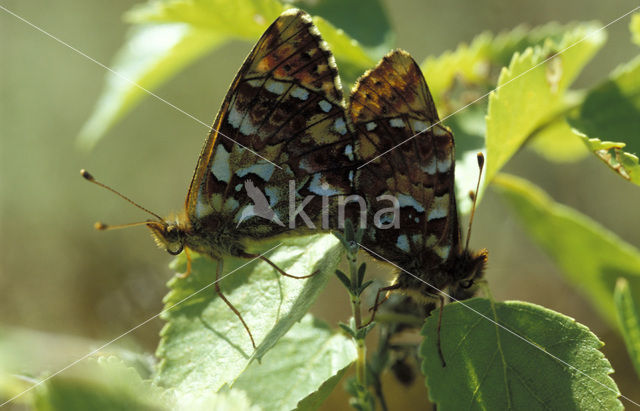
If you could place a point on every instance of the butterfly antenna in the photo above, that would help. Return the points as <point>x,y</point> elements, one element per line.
<point>99,226</point>
<point>474,196</point>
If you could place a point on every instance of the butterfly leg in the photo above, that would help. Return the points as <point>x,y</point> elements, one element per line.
<point>438,343</point>
<point>278,269</point>
<point>235,311</point>
<point>186,273</point>
<point>378,302</point>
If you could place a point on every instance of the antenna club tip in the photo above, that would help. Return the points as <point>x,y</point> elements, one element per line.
<point>100,226</point>
<point>480,159</point>
<point>472,195</point>
<point>86,175</point>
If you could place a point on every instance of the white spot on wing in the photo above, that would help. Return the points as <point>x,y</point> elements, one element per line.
<point>403,243</point>
<point>235,117</point>
<point>340,126</point>
<point>317,186</point>
<point>439,131</point>
<point>263,170</point>
<point>220,167</point>
<point>325,105</point>
<point>418,125</point>
<point>300,93</point>
<point>351,176</point>
<point>371,126</point>
<point>238,187</point>
<point>443,165</point>
<point>431,240</point>
<point>255,83</point>
<point>430,168</point>
<point>248,128</point>
<point>442,251</point>
<point>396,122</point>
<point>348,151</point>
<point>439,207</point>
<point>272,195</point>
<point>408,201</point>
<point>275,87</point>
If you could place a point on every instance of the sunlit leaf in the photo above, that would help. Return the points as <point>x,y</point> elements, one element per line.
<point>635,28</point>
<point>204,345</point>
<point>589,255</point>
<point>152,54</point>
<point>629,320</point>
<point>103,383</point>
<point>609,120</point>
<point>307,363</point>
<point>531,91</point>
<point>490,368</point>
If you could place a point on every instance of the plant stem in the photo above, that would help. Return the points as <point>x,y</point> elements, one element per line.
<point>361,363</point>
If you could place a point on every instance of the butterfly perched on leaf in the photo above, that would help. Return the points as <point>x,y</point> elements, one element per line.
<point>280,138</point>
<point>389,106</point>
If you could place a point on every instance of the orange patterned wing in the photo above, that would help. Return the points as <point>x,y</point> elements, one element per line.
<point>390,104</point>
<point>283,120</point>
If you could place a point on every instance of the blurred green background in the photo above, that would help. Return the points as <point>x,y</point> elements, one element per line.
<point>59,275</point>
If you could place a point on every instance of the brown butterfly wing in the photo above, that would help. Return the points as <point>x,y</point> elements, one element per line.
<point>390,104</point>
<point>282,120</point>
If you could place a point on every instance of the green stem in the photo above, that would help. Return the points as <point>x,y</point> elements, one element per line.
<point>361,362</point>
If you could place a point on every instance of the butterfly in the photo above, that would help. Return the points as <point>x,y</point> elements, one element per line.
<point>390,104</point>
<point>281,133</point>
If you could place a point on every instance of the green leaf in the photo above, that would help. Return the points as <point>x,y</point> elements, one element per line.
<point>105,383</point>
<point>589,255</point>
<point>244,19</point>
<point>531,91</point>
<point>473,64</point>
<point>629,320</point>
<point>634,26</point>
<point>305,365</point>
<point>611,111</point>
<point>558,142</point>
<point>211,401</point>
<point>491,368</point>
<point>204,345</point>
<point>151,55</point>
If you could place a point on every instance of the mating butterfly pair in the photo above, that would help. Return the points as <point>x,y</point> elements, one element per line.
<point>284,120</point>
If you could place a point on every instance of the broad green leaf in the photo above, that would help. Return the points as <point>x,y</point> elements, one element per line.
<point>589,255</point>
<point>558,142</point>
<point>611,112</point>
<point>490,368</point>
<point>307,363</point>
<point>211,401</point>
<point>151,55</point>
<point>531,91</point>
<point>103,383</point>
<point>635,28</point>
<point>243,19</point>
<point>204,345</point>
<point>629,320</point>
<point>473,64</point>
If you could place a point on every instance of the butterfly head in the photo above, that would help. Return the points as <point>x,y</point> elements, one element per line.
<point>168,235</point>
<point>469,267</point>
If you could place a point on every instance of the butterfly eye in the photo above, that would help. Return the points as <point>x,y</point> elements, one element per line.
<point>466,284</point>
<point>176,252</point>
